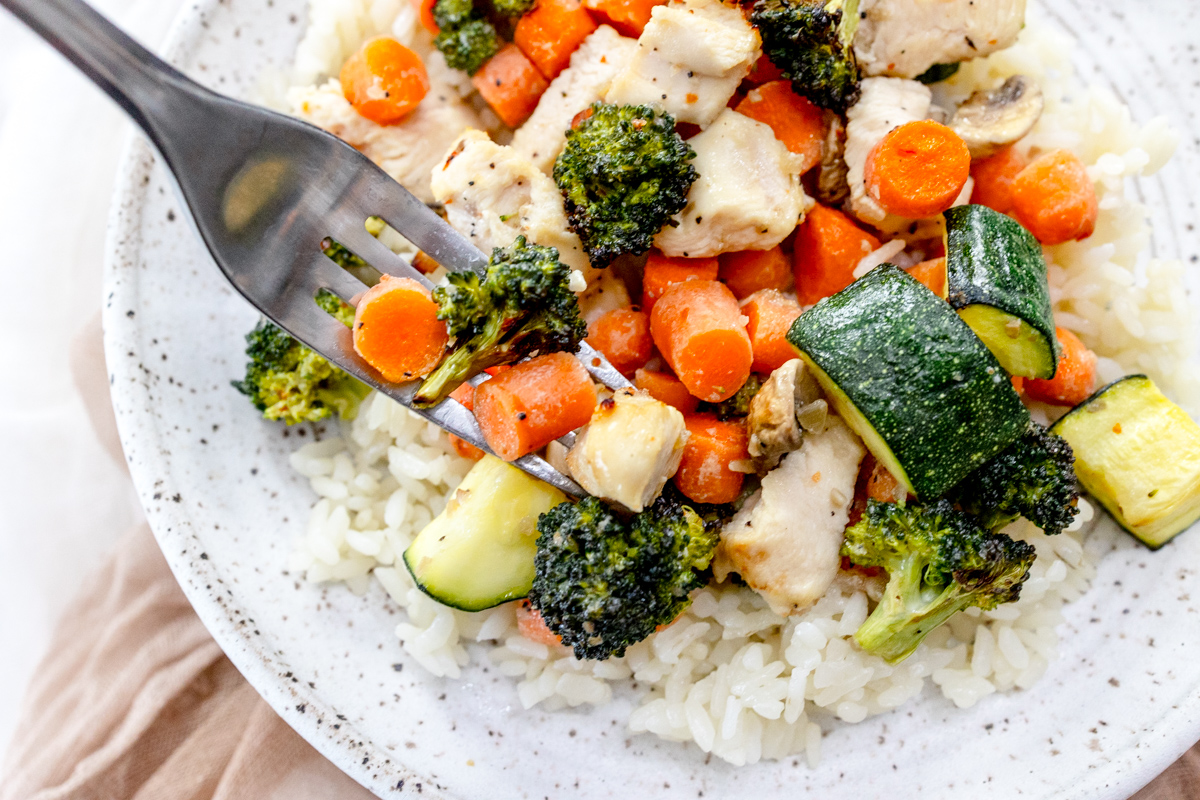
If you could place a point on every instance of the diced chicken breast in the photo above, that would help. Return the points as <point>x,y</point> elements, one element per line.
<point>629,450</point>
<point>409,150</point>
<point>747,196</point>
<point>492,195</point>
<point>786,541</point>
<point>904,38</point>
<point>584,82</point>
<point>606,292</point>
<point>689,60</point>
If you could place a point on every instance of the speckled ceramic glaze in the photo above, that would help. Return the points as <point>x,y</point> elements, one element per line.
<point>1118,707</point>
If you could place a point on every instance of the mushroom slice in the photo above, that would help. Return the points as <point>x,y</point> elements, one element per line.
<point>786,407</point>
<point>989,121</point>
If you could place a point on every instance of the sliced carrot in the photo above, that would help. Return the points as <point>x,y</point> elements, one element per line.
<point>550,32</point>
<point>828,248</point>
<point>1054,198</point>
<point>629,17</point>
<point>763,71</point>
<point>663,271</point>
<point>623,336</point>
<point>771,314</point>
<point>994,177</point>
<point>1018,384</point>
<point>704,474</point>
<point>396,329</point>
<point>425,14</point>
<point>531,625</point>
<point>797,123</point>
<point>534,403</point>
<point>1075,378</point>
<point>918,170</point>
<point>384,81</point>
<point>510,84</point>
<point>882,484</point>
<point>932,273</point>
<point>751,270</point>
<point>700,331</point>
<point>666,388</point>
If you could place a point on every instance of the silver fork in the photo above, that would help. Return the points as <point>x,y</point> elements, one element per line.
<point>265,189</point>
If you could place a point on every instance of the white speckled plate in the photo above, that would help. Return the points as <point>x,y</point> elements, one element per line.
<point>1120,705</point>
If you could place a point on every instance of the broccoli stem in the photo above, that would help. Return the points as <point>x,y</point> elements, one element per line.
<point>901,621</point>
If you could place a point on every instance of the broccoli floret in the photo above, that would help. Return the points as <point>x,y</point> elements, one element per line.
<point>603,583</point>
<point>336,307</point>
<point>939,561</point>
<point>512,8</point>
<point>465,37</point>
<point>523,305</point>
<point>811,43</point>
<point>1033,477</point>
<point>623,173</point>
<point>739,404</point>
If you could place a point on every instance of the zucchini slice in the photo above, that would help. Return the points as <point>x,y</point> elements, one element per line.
<point>479,551</point>
<point>996,276</point>
<point>1139,455</point>
<point>912,380</point>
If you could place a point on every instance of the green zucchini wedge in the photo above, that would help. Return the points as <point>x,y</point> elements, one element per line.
<point>996,279</point>
<point>479,551</point>
<point>1139,455</point>
<point>928,399</point>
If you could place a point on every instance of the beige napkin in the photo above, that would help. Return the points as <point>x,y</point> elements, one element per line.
<point>136,702</point>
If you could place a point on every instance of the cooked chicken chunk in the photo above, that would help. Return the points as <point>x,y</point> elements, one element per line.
<point>689,60</point>
<point>407,151</point>
<point>748,195</point>
<point>584,82</point>
<point>629,450</point>
<point>903,38</point>
<point>786,541</point>
<point>492,195</point>
<point>606,292</point>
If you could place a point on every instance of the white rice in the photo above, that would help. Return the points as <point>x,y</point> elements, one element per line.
<point>729,675</point>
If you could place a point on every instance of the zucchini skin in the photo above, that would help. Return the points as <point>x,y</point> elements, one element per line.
<point>927,386</point>
<point>992,261</point>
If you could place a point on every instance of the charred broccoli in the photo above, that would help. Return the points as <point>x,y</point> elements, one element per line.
<point>512,8</point>
<point>523,305</point>
<point>811,43</point>
<point>603,583</point>
<point>739,404</point>
<point>939,561</point>
<point>465,37</point>
<point>623,172</point>
<point>1033,477</point>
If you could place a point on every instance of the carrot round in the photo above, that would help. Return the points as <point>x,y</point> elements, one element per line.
<point>1075,378</point>
<point>932,273</point>
<point>384,81</point>
<point>531,625</point>
<point>700,331</point>
<point>828,247</point>
<point>796,122</point>
<point>666,388</point>
<point>550,32</point>
<point>623,336</point>
<point>425,14</point>
<point>534,403</point>
<point>704,474</point>
<point>396,329</point>
<point>994,178</point>
<point>511,85</point>
<point>663,271</point>
<point>750,270</point>
<point>770,314</point>
<point>918,170</point>
<point>1054,198</point>
<point>629,17</point>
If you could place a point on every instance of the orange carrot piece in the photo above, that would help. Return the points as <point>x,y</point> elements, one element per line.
<point>510,84</point>
<point>882,484</point>
<point>534,403</point>
<point>932,273</point>
<point>994,177</point>
<point>629,17</point>
<point>828,248</point>
<point>663,271</point>
<point>699,329</point>
<point>1054,198</point>
<point>771,314</point>
<point>1075,378</point>
<point>550,32</point>
<point>763,71</point>
<point>918,170</point>
<point>704,474</point>
<point>531,625</point>
<point>384,81</point>
<point>1018,384</point>
<point>666,388</point>
<point>750,270</point>
<point>425,14</point>
<point>396,329</point>
<point>623,336</point>
<point>797,123</point>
